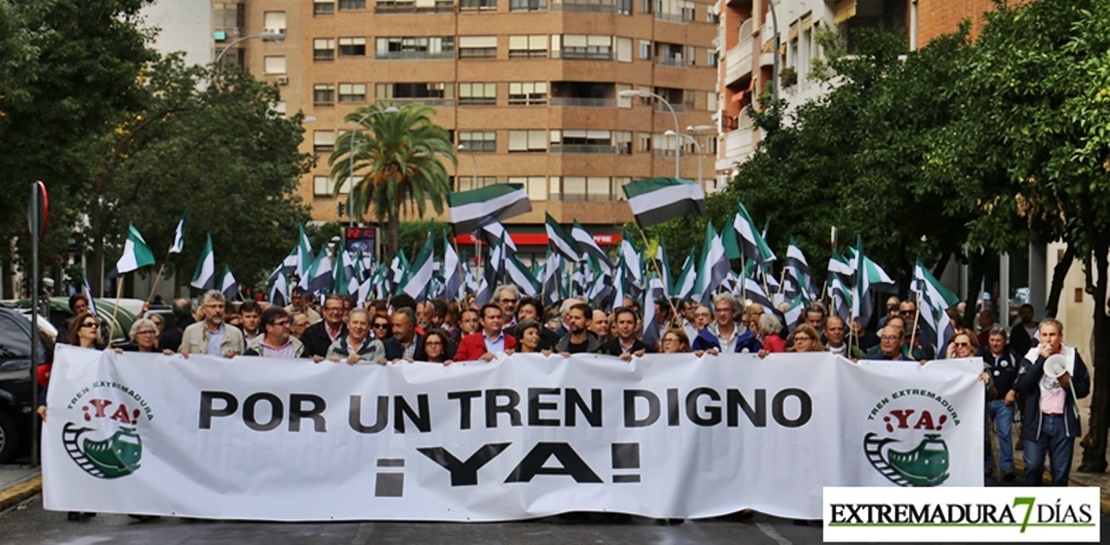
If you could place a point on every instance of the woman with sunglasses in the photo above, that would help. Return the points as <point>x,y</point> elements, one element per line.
<point>86,334</point>
<point>965,344</point>
<point>380,328</point>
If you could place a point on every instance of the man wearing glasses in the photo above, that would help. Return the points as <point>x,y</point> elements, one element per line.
<point>890,345</point>
<point>725,334</point>
<point>319,336</point>
<point>276,340</point>
<point>211,336</point>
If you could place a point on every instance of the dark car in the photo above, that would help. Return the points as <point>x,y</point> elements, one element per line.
<point>16,399</point>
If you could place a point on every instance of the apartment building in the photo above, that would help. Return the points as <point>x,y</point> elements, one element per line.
<point>529,89</point>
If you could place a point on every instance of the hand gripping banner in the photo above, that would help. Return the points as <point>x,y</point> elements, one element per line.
<point>665,436</point>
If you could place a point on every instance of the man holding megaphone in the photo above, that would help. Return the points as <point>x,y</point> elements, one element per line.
<point>1052,376</point>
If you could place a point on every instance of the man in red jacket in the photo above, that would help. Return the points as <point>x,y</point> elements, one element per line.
<point>489,341</point>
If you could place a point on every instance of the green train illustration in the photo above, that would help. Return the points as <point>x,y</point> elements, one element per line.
<point>925,465</point>
<point>109,458</point>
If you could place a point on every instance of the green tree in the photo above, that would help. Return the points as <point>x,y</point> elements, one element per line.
<point>1038,120</point>
<point>68,68</point>
<point>398,162</point>
<point>218,149</point>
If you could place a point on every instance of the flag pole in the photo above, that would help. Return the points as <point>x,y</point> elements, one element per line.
<point>916,314</point>
<point>115,309</point>
<point>659,273</point>
<point>154,286</point>
<point>782,282</point>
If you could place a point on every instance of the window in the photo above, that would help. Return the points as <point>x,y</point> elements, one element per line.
<point>477,94</point>
<point>323,141</point>
<point>579,46</point>
<point>479,141</point>
<point>645,6</point>
<point>323,7</point>
<point>323,94</point>
<point>581,188</point>
<point>688,99</point>
<point>622,140</point>
<point>624,49</point>
<point>323,49</point>
<point>528,46</point>
<point>274,21</point>
<point>535,186</point>
<point>352,47</point>
<point>528,5</point>
<point>280,108</point>
<point>435,47</point>
<point>623,102</point>
<point>352,4</point>
<point>274,65</point>
<point>645,50</point>
<point>711,102</point>
<point>643,141</point>
<point>711,59</point>
<point>624,7</point>
<point>466,183</point>
<point>582,141</point>
<point>528,141</point>
<point>687,10</point>
<point>691,51</point>
<point>477,47</point>
<point>321,186</point>
<point>528,93</point>
<point>478,5</point>
<point>352,92</point>
<point>425,93</point>
<point>228,16</point>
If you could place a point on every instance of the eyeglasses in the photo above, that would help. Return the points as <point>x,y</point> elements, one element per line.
<point>433,343</point>
<point>380,326</point>
<point>146,332</point>
<point>333,309</point>
<point>890,338</point>
<point>509,301</point>
<point>90,324</point>
<point>906,312</point>
<point>801,338</point>
<point>214,305</point>
<point>671,340</point>
<point>282,323</point>
<point>961,345</point>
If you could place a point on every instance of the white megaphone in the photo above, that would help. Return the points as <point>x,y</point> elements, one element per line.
<point>1055,367</point>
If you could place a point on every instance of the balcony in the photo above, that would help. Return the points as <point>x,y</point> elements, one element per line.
<point>589,149</point>
<point>414,55</point>
<point>738,144</point>
<point>389,8</point>
<point>738,60</point>
<point>584,7</point>
<point>584,102</point>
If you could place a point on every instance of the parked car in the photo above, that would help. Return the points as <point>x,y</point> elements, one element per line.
<point>105,309</point>
<point>17,402</point>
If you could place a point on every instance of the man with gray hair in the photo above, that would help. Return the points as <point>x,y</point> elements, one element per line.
<point>507,297</point>
<point>724,333</point>
<point>211,336</point>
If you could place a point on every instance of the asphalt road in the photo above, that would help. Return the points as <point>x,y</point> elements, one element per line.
<point>29,524</point>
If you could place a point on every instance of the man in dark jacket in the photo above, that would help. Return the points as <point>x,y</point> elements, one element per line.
<point>405,343</point>
<point>1051,414</point>
<point>182,318</point>
<point>625,344</point>
<point>1000,410</point>
<point>319,336</point>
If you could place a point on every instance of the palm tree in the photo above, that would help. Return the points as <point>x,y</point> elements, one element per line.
<point>397,164</point>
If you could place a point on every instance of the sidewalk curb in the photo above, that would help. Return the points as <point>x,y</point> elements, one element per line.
<point>1103,495</point>
<point>20,491</point>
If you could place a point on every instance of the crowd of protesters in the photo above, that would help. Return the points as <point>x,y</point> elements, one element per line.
<point>404,330</point>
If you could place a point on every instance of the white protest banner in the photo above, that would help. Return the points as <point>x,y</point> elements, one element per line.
<point>665,436</point>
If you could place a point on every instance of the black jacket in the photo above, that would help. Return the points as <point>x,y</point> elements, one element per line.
<point>394,350</point>
<point>1028,382</point>
<point>316,340</point>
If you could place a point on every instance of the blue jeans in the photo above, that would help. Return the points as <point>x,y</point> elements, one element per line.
<point>1002,415</point>
<point>1053,442</point>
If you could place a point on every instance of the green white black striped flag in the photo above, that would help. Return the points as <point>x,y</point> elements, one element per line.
<point>470,210</point>
<point>136,253</point>
<point>656,200</point>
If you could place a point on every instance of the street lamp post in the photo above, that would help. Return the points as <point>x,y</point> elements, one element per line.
<point>474,162</point>
<point>630,93</point>
<point>265,36</point>
<point>351,163</point>
<point>697,131</point>
<point>696,145</point>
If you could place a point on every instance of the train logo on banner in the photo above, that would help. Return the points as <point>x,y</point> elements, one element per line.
<point>106,442</point>
<point>906,444</point>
